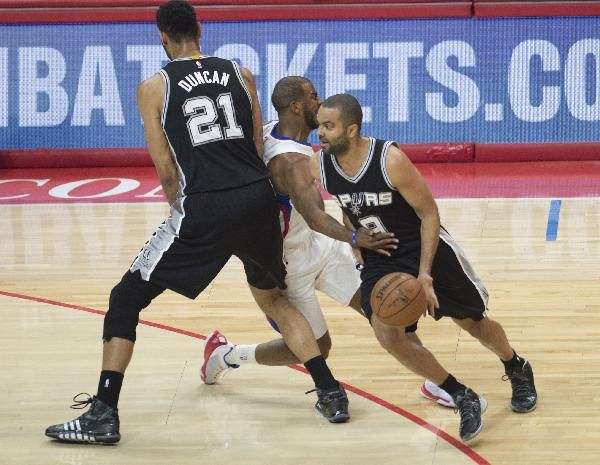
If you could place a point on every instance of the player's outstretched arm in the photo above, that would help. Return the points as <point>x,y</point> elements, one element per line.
<point>150,95</point>
<point>411,185</point>
<point>291,174</point>
<point>256,111</point>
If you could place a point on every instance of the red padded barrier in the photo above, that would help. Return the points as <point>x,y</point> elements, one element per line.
<point>580,151</point>
<point>115,157</point>
<point>418,153</point>
<point>74,158</point>
<point>201,3</point>
<point>439,153</point>
<point>100,11</point>
<point>507,8</point>
<point>136,3</point>
<point>240,13</point>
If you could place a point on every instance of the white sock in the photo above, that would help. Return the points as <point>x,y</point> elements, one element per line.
<point>241,354</point>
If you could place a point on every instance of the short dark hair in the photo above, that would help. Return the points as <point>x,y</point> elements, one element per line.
<point>177,19</point>
<point>348,106</point>
<point>287,90</point>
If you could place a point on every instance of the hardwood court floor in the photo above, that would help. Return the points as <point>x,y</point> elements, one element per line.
<point>546,294</point>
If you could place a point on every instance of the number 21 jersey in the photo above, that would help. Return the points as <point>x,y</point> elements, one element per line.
<point>370,200</point>
<point>207,118</point>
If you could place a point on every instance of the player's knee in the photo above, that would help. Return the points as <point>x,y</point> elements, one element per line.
<point>130,296</point>
<point>268,301</point>
<point>393,339</point>
<point>473,327</point>
<point>275,305</point>
<point>324,344</point>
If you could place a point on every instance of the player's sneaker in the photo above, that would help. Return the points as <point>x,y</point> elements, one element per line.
<point>524,395</point>
<point>433,392</point>
<point>470,407</point>
<point>214,366</point>
<point>332,404</point>
<point>100,424</point>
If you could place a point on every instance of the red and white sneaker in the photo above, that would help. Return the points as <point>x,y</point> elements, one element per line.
<point>214,366</point>
<point>435,393</point>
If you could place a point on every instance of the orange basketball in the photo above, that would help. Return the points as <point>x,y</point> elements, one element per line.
<point>398,299</point>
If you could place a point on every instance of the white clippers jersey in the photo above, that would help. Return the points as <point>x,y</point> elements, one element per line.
<point>293,227</point>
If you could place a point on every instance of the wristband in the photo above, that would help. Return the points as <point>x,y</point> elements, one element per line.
<point>354,239</point>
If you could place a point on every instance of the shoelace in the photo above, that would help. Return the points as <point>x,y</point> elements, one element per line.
<point>466,408</point>
<point>81,404</point>
<point>337,394</point>
<point>519,383</point>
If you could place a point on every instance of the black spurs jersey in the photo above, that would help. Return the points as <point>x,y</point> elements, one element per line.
<point>207,117</point>
<point>369,200</point>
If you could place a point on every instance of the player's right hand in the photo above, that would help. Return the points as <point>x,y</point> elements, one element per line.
<point>379,242</point>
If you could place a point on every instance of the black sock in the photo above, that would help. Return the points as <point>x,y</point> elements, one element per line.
<point>514,363</point>
<point>109,387</point>
<point>320,373</point>
<point>452,386</point>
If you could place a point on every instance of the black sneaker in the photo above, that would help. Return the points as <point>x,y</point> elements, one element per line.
<point>524,395</point>
<point>100,424</point>
<point>470,407</point>
<point>332,404</point>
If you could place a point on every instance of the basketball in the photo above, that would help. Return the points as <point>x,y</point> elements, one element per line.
<point>398,299</point>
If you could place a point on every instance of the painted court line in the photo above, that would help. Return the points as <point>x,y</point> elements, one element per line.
<point>553,219</point>
<point>470,453</point>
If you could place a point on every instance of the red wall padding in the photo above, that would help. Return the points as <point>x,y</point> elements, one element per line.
<point>580,151</point>
<point>240,12</point>
<point>98,11</point>
<point>154,3</point>
<point>73,158</point>
<point>511,8</point>
<point>418,153</point>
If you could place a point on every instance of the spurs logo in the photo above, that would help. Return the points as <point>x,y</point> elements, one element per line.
<point>356,202</point>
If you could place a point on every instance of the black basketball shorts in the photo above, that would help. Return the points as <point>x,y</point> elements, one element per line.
<point>204,230</point>
<point>460,292</point>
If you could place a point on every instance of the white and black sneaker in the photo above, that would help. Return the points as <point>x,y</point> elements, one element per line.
<point>332,404</point>
<point>100,424</point>
<point>470,407</point>
<point>524,396</point>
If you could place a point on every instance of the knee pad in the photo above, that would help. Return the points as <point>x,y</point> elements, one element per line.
<point>127,299</point>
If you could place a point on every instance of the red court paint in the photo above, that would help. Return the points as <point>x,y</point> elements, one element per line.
<point>474,456</point>
<point>447,180</point>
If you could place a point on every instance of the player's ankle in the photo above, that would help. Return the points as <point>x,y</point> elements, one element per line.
<point>241,354</point>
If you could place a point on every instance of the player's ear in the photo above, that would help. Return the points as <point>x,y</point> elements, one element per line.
<point>352,131</point>
<point>164,39</point>
<point>296,107</point>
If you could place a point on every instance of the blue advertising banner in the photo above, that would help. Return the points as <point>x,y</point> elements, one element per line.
<point>431,80</point>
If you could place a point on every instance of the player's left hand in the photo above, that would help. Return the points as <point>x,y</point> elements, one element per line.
<point>380,242</point>
<point>432,301</point>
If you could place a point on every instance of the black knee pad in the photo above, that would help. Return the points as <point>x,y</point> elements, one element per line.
<point>127,299</point>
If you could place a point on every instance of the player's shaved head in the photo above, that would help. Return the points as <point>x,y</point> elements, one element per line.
<point>349,108</point>
<point>177,19</point>
<point>288,90</point>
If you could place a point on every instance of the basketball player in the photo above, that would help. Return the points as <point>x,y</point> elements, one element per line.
<point>203,128</point>
<point>377,186</point>
<point>313,260</point>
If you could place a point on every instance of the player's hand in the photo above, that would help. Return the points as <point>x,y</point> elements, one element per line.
<point>379,242</point>
<point>432,301</point>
